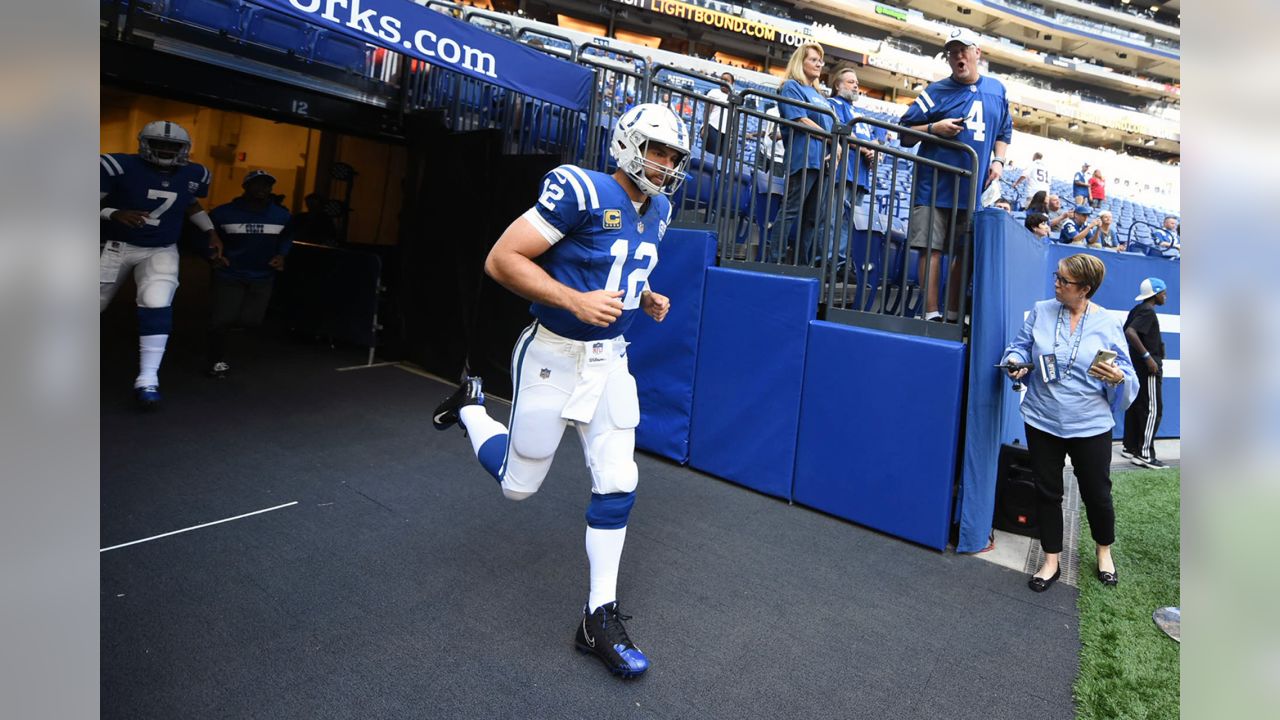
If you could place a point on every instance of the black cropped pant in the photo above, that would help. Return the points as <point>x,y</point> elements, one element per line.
<point>1091,460</point>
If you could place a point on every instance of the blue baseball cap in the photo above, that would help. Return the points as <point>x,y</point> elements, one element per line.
<point>1084,209</point>
<point>1150,287</point>
<point>255,174</point>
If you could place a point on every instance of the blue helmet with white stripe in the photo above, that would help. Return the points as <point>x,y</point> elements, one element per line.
<point>164,143</point>
<point>642,124</point>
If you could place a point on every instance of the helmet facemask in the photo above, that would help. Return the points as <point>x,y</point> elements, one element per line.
<point>637,128</point>
<point>638,165</point>
<point>164,144</point>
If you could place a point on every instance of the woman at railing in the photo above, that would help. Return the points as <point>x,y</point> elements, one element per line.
<point>807,154</point>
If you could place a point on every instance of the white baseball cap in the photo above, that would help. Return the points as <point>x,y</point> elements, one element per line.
<point>962,35</point>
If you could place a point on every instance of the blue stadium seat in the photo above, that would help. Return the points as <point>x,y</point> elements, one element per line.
<point>341,51</point>
<point>218,15</point>
<point>278,30</point>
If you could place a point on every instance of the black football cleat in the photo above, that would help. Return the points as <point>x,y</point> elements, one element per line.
<point>468,393</point>
<point>148,397</point>
<point>602,634</point>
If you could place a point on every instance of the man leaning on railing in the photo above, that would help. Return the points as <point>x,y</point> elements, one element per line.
<point>971,109</point>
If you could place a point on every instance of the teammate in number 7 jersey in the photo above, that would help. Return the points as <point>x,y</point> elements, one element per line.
<point>583,254</point>
<point>145,198</point>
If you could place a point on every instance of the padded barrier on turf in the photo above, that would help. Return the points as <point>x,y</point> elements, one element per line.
<point>663,356</point>
<point>750,373</point>
<point>879,429</point>
<point>1012,270</point>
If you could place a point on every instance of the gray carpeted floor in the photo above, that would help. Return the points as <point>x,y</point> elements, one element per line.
<point>402,584</point>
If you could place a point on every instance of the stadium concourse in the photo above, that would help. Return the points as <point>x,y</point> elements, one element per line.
<point>393,581</point>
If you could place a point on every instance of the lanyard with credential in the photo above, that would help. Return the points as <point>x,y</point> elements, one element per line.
<point>1075,348</point>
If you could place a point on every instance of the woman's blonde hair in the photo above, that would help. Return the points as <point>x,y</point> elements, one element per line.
<point>1087,270</point>
<point>795,66</point>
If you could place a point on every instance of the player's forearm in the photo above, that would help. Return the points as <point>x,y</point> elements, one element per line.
<point>527,279</point>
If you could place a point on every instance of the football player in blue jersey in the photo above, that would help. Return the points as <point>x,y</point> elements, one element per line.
<point>256,235</point>
<point>582,254</point>
<point>971,109</point>
<point>145,198</point>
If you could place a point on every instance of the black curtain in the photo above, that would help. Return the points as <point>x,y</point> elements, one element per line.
<point>461,193</point>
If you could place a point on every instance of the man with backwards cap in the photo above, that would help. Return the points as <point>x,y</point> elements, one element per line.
<point>1077,227</point>
<point>256,237</point>
<point>967,108</point>
<point>1146,347</point>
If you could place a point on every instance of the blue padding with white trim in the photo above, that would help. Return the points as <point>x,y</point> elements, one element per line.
<point>492,454</point>
<point>746,404</point>
<point>663,356</point>
<point>155,321</point>
<point>610,512</point>
<point>880,428</point>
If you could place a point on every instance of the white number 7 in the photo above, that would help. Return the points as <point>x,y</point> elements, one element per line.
<point>167,196</point>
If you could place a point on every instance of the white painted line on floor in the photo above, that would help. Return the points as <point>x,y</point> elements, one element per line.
<point>197,527</point>
<point>366,367</point>
<point>451,383</point>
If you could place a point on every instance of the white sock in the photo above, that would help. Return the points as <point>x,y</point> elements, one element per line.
<point>953,316</point>
<point>932,314</point>
<point>604,554</point>
<point>150,352</point>
<point>480,427</point>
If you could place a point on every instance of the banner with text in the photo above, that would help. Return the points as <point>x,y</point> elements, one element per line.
<point>446,42</point>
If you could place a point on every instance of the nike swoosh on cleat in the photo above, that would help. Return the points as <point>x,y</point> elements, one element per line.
<point>590,640</point>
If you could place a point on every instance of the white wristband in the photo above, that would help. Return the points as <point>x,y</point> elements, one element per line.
<point>106,213</point>
<point>202,221</point>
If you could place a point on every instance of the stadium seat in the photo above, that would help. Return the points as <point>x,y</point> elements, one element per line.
<point>340,51</point>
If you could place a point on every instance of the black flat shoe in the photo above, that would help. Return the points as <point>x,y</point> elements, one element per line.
<point>1042,584</point>
<point>1108,578</point>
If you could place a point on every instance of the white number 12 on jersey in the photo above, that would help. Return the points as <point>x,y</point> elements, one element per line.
<point>973,121</point>
<point>636,279</point>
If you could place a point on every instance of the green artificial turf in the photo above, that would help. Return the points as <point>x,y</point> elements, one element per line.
<point>1128,667</point>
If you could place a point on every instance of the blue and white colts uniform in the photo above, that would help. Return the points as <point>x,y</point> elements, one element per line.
<point>565,370</point>
<point>985,110</point>
<point>130,183</point>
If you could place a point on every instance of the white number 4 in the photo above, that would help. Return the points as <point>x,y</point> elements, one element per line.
<point>973,121</point>
<point>167,196</point>
<point>636,279</point>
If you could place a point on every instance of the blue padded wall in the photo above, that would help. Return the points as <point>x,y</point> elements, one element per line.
<point>879,429</point>
<point>663,356</point>
<point>750,372</point>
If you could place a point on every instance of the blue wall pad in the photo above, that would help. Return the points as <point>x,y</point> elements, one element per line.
<point>879,429</point>
<point>663,356</point>
<point>750,372</point>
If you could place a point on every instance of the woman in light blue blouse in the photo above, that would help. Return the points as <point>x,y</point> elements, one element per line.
<point>1069,406</point>
<point>807,151</point>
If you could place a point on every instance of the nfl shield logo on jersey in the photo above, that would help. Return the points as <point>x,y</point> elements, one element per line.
<point>597,348</point>
<point>192,186</point>
<point>612,219</point>
<point>545,373</point>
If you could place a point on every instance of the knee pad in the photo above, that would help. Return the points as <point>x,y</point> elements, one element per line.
<point>515,494</point>
<point>610,512</point>
<point>155,320</point>
<point>157,292</point>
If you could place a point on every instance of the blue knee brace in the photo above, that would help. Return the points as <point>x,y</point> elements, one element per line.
<point>610,512</point>
<point>155,321</point>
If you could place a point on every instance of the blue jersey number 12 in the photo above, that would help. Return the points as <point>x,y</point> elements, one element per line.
<point>636,279</point>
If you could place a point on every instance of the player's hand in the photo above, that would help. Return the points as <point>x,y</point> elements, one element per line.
<point>1152,366</point>
<point>215,252</point>
<point>655,304</point>
<point>131,218</point>
<point>948,128</point>
<point>598,307</point>
<point>277,262</point>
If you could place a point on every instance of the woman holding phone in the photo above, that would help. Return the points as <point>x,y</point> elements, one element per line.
<point>1080,376</point>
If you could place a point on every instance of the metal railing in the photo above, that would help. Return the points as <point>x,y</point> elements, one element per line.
<point>796,212</point>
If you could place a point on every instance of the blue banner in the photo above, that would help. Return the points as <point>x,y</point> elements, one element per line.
<point>446,42</point>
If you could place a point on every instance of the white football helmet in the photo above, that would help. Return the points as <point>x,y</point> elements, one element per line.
<point>642,124</point>
<point>164,143</point>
